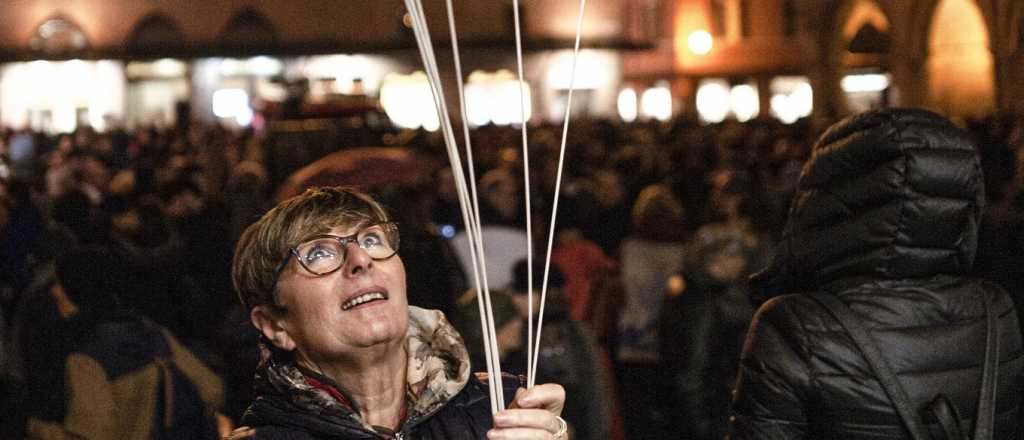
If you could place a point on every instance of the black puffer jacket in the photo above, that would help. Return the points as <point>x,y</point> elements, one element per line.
<point>885,217</point>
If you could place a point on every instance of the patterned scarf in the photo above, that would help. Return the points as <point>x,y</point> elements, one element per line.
<point>438,369</point>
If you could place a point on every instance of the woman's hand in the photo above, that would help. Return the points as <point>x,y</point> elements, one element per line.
<point>532,415</point>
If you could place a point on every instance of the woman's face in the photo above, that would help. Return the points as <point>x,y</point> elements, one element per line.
<point>320,316</point>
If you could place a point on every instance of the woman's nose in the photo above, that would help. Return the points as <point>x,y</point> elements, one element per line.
<point>357,260</point>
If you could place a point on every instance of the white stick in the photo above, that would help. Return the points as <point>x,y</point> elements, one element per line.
<point>477,230</point>
<point>526,192</point>
<point>532,375</point>
<point>426,51</point>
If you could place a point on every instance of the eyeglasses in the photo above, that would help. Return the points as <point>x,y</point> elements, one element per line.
<point>324,254</point>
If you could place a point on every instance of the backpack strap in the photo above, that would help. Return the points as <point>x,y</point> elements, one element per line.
<point>984,422</point>
<point>883,372</point>
<point>948,416</point>
<point>941,407</point>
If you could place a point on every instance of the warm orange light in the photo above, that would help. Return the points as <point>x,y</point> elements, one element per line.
<point>960,66</point>
<point>700,42</point>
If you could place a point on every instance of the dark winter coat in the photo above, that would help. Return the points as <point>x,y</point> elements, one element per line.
<point>886,218</point>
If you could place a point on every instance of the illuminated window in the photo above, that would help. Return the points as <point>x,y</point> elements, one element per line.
<point>792,98</point>
<point>408,101</point>
<point>656,102</point>
<point>627,105</point>
<point>494,98</point>
<point>960,66</point>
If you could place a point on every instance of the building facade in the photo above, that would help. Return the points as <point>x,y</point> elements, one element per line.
<point>71,61</point>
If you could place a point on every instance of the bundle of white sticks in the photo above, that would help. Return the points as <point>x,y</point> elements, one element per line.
<point>468,196</point>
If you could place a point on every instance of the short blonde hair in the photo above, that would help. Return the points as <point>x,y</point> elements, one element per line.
<point>264,245</point>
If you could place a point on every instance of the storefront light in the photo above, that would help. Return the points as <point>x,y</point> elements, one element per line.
<point>231,67</point>
<point>592,70</point>
<point>263,66</point>
<point>408,101</point>
<point>792,98</point>
<point>713,100</point>
<point>871,82</point>
<point>168,68</point>
<point>57,96</point>
<point>656,102</point>
<point>700,42</point>
<point>495,98</point>
<point>744,102</point>
<point>627,105</point>
<point>232,103</point>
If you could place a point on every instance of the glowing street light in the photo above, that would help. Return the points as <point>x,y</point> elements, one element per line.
<point>699,42</point>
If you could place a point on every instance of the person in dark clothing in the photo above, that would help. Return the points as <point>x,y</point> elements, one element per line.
<point>705,316</point>
<point>885,220</point>
<point>116,374</point>
<point>343,354</point>
<point>570,356</point>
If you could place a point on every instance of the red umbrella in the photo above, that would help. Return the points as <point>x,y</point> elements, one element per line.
<point>365,167</point>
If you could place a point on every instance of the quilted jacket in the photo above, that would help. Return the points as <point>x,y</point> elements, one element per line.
<point>886,218</point>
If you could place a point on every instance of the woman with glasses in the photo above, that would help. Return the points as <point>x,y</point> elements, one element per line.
<point>343,354</point>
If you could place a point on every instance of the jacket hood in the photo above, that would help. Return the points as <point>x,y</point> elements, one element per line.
<point>886,194</point>
<point>438,369</point>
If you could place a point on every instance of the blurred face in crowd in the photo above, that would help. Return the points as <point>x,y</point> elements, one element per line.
<point>338,315</point>
<point>608,188</point>
<point>502,193</point>
<point>95,173</point>
<point>184,204</point>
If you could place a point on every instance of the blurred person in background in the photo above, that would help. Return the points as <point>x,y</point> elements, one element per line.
<point>569,355</point>
<point>704,320</point>
<point>119,375</point>
<point>502,227</point>
<point>604,205</point>
<point>653,252</point>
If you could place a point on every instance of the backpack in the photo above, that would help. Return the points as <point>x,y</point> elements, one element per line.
<point>181,413</point>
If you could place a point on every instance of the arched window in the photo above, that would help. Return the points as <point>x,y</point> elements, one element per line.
<point>155,33</point>
<point>249,28</point>
<point>869,39</point>
<point>58,35</point>
<point>960,65</point>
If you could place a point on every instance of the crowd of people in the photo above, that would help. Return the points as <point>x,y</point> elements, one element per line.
<point>659,226</point>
